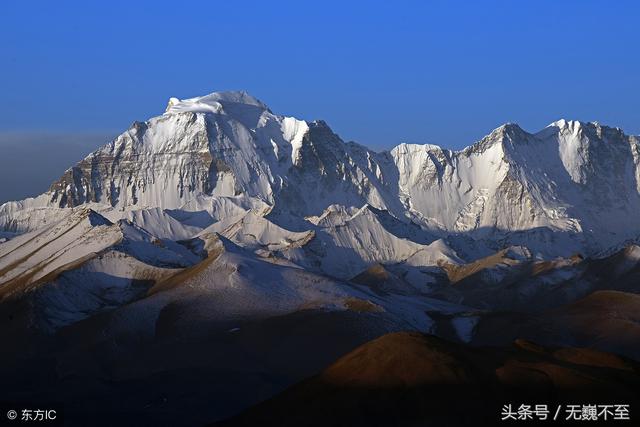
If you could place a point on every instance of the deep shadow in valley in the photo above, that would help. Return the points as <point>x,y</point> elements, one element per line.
<point>182,375</point>
<point>410,379</point>
<point>192,372</point>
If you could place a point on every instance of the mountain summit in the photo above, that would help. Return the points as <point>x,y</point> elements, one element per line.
<point>227,151</point>
<point>220,252</point>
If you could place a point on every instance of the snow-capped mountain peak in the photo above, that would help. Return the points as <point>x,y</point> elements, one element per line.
<point>213,103</point>
<point>227,152</point>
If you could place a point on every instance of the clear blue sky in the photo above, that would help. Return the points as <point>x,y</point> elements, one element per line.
<point>380,73</point>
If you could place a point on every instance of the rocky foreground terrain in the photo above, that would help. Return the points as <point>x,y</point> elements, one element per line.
<point>221,255</point>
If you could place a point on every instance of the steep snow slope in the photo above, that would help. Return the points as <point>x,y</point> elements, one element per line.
<point>235,325</point>
<point>32,256</point>
<point>232,285</point>
<point>574,178</point>
<point>82,265</point>
<point>161,223</point>
<point>339,243</point>
<point>571,187</point>
<point>344,246</point>
<point>223,144</point>
<point>220,219</point>
<point>255,232</point>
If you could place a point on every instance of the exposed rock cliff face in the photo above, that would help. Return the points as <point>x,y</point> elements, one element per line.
<point>581,179</point>
<point>224,238</point>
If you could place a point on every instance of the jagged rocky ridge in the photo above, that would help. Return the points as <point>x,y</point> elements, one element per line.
<point>293,190</point>
<point>220,223</point>
<point>228,150</point>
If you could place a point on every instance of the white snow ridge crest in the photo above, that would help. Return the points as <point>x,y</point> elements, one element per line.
<point>224,168</point>
<point>230,145</point>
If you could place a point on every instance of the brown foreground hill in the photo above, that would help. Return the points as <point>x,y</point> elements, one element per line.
<point>412,379</point>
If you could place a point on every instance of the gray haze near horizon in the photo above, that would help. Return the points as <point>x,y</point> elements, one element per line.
<point>31,161</point>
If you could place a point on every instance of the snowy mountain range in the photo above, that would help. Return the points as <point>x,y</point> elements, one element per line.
<point>293,191</point>
<point>222,213</point>
<point>227,153</point>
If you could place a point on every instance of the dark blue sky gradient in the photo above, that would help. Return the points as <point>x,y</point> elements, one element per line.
<point>380,73</point>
